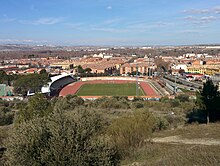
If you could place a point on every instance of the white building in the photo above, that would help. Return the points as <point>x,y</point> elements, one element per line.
<point>189,55</point>
<point>101,55</point>
<point>180,67</point>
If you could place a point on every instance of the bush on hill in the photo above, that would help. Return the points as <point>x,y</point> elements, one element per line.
<point>61,140</point>
<point>131,132</point>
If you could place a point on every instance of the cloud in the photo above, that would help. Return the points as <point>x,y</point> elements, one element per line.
<point>105,41</point>
<point>200,20</point>
<point>191,31</point>
<point>112,21</point>
<point>40,21</point>
<point>6,19</point>
<point>214,10</point>
<point>217,10</point>
<point>118,25</point>
<point>109,8</point>
<point>189,18</point>
<point>141,27</point>
<point>43,21</point>
<point>133,27</point>
<point>21,41</point>
<point>197,11</point>
<point>8,40</point>
<point>208,18</point>
<point>75,25</point>
<point>111,30</point>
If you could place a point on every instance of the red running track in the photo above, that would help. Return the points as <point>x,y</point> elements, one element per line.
<point>148,90</point>
<point>74,87</point>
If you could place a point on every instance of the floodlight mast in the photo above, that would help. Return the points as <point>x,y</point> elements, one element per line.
<point>137,94</point>
<point>149,71</point>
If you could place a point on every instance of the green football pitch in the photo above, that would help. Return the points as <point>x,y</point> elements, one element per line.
<point>109,89</point>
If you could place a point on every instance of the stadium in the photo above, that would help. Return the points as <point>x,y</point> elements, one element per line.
<point>96,87</point>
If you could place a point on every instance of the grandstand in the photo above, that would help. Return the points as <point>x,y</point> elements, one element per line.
<point>57,83</point>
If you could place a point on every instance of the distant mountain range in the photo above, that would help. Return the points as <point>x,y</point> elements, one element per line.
<point>25,47</point>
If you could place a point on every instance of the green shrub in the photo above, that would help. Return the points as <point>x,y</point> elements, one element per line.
<point>175,120</point>
<point>73,139</point>
<point>131,132</point>
<point>68,103</point>
<point>161,123</point>
<point>164,99</point>
<point>137,99</point>
<point>37,106</point>
<point>175,103</point>
<point>187,106</point>
<point>116,102</point>
<point>19,105</point>
<point>137,104</point>
<point>182,97</point>
<point>4,103</point>
<point>6,116</point>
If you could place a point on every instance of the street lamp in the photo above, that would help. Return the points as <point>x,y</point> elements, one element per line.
<point>175,86</point>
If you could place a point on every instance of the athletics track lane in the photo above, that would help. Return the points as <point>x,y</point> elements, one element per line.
<point>74,87</point>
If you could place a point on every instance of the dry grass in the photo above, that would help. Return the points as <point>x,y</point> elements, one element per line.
<point>175,155</point>
<point>193,131</point>
<point>178,154</point>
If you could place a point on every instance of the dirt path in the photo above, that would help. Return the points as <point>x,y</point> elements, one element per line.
<point>179,140</point>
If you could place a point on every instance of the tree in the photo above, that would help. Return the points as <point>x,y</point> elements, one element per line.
<point>28,82</point>
<point>37,106</point>
<point>209,100</point>
<point>12,78</point>
<point>87,70</point>
<point>135,73</point>
<point>80,69</point>
<point>43,71</point>
<point>162,65</point>
<point>3,76</point>
<point>62,139</point>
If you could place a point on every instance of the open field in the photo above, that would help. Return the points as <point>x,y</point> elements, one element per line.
<point>127,89</point>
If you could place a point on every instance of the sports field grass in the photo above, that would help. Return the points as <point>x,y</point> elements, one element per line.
<point>127,89</point>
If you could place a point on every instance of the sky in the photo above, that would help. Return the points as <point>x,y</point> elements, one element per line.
<point>110,22</point>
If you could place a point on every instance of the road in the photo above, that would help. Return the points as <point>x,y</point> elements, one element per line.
<point>189,85</point>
